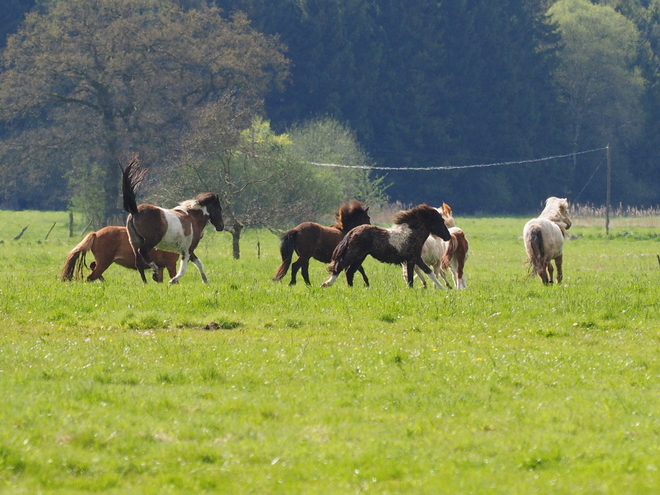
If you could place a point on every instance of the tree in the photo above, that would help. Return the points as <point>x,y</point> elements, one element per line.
<point>266,179</point>
<point>598,75</point>
<point>92,80</point>
<point>327,141</point>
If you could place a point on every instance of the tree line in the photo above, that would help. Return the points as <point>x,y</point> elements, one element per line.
<point>437,84</point>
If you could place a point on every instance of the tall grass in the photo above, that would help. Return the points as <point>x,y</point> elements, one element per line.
<point>243,385</point>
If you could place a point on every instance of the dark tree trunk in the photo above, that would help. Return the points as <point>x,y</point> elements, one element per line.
<point>236,237</point>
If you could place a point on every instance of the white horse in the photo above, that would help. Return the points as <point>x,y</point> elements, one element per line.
<point>445,255</point>
<point>544,239</point>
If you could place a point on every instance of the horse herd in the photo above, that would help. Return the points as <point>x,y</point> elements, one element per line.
<point>423,240</point>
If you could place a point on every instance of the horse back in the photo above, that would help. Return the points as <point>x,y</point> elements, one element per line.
<point>112,244</point>
<point>316,241</point>
<point>375,241</point>
<point>147,225</point>
<point>547,234</point>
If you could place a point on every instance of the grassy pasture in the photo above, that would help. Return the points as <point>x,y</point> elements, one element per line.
<point>508,387</point>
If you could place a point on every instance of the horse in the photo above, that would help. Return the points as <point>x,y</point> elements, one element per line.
<point>111,245</point>
<point>179,229</point>
<point>443,256</point>
<point>544,239</point>
<point>401,243</point>
<point>311,240</point>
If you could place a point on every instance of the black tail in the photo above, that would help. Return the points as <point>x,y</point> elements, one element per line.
<point>338,255</point>
<point>287,248</point>
<point>131,178</point>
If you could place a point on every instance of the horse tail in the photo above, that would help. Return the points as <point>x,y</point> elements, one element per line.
<point>338,255</point>
<point>449,253</point>
<point>131,178</point>
<point>287,248</point>
<point>75,261</point>
<point>535,251</point>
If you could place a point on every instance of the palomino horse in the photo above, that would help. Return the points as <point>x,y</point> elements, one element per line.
<point>178,230</point>
<point>311,240</point>
<point>443,256</point>
<point>111,245</point>
<point>544,239</point>
<point>401,243</point>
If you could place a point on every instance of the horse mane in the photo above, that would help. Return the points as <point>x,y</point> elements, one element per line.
<point>348,211</point>
<point>554,209</point>
<point>198,202</point>
<point>188,204</point>
<point>413,215</point>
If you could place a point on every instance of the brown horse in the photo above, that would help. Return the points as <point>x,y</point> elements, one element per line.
<point>178,230</point>
<point>311,240</point>
<point>111,245</point>
<point>401,243</point>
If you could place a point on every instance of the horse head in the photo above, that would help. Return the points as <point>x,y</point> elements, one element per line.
<point>447,215</point>
<point>556,210</point>
<point>211,202</point>
<point>436,224</point>
<point>351,215</point>
<point>424,216</point>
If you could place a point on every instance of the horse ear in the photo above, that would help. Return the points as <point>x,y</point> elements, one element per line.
<point>366,209</point>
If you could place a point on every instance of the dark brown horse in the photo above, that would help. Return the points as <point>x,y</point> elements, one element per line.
<point>311,240</point>
<point>111,245</point>
<point>401,243</point>
<point>178,230</point>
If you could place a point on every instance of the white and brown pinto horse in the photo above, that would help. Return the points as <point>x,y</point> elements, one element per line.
<point>544,239</point>
<point>179,229</point>
<point>443,256</point>
<point>401,243</point>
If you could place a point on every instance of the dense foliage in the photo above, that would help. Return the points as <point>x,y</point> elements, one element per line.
<point>452,84</point>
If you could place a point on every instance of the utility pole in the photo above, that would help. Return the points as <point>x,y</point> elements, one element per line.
<point>609,187</point>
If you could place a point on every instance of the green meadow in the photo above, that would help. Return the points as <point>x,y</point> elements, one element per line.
<point>244,385</point>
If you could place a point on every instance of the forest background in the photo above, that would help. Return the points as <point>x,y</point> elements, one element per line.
<point>243,96</point>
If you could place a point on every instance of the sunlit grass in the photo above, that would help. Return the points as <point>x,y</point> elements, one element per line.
<point>248,386</point>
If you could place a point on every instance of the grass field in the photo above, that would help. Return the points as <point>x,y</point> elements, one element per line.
<point>508,387</point>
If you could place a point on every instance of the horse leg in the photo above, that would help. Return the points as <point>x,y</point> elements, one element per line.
<point>364,275</point>
<point>98,267</point>
<point>200,266</point>
<point>142,259</point>
<point>560,274</point>
<point>404,269</point>
<point>551,271</point>
<point>420,263</point>
<point>437,270</point>
<point>295,266</point>
<point>350,272</point>
<point>410,271</point>
<point>304,270</point>
<point>182,268</point>
<point>421,276</point>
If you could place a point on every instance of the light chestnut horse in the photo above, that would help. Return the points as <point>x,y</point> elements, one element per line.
<point>544,239</point>
<point>443,256</point>
<point>401,243</point>
<point>312,240</point>
<point>179,229</point>
<point>111,245</point>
